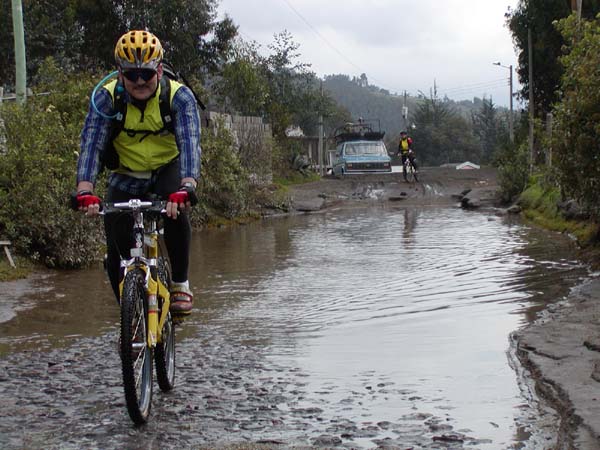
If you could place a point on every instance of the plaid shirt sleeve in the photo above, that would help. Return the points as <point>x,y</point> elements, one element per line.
<point>94,137</point>
<point>187,132</point>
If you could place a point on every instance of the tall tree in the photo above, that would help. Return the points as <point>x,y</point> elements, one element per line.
<point>81,34</point>
<point>576,136</point>
<point>441,135</point>
<point>539,16</point>
<point>242,86</point>
<point>291,83</point>
<point>486,129</point>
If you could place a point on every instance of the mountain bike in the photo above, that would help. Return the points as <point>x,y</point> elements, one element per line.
<point>409,169</point>
<point>147,326</point>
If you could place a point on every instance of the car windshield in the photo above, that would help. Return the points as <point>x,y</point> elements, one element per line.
<point>366,148</point>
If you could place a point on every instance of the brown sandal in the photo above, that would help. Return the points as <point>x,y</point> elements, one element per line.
<point>181,302</point>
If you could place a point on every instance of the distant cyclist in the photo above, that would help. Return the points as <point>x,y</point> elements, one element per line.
<point>405,150</point>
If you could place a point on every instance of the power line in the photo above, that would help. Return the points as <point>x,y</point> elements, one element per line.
<point>480,84</point>
<point>335,49</point>
<point>321,36</point>
<point>474,89</point>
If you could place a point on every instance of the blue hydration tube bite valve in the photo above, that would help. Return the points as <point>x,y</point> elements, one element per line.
<point>101,83</point>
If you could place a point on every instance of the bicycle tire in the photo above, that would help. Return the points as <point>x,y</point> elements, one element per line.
<point>136,356</point>
<point>164,355</point>
<point>411,173</point>
<point>408,172</point>
<point>415,174</point>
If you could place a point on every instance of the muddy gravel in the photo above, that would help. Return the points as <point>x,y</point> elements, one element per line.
<point>227,396</point>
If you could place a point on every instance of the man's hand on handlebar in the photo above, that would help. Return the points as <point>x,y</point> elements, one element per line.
<point>183,198</point>
<point>86,202</point>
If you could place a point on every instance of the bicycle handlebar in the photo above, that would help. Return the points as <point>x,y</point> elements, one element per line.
<point>152,207</point>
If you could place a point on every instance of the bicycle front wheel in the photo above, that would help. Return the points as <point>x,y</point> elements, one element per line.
<point>164,356</point>
<point>410,172</point>
<point>136,356</point>
<point>415,175</point>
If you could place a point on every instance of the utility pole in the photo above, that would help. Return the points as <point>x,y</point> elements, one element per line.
<point>576,7</point>
<point>531,111</point>
<point>511,133</point>
<point>19,38</point>
<point>405,113</point>
<point>320,152</point>
<point>549,124</point>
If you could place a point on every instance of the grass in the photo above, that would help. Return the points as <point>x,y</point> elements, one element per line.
<point>8,273</point>
<point>296,178</point>
<point>540,206</point>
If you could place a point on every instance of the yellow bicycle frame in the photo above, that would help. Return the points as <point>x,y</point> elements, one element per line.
<point>154,289</point>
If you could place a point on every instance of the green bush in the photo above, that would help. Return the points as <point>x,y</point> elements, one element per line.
<point>576,134</point>
<point>513,171</point>
<point>38,172</point>
<point>224,183</point>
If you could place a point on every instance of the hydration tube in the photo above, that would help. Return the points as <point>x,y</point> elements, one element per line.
<point>104,80</point>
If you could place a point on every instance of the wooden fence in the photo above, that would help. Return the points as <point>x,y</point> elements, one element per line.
<point>253,140</point>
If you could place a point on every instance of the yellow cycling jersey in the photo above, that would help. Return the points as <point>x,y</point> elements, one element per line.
<point>139,149</point>
<point>404,145</point>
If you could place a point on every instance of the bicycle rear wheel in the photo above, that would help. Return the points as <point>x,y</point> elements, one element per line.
<point>136,356</point>
<point>164,356</point>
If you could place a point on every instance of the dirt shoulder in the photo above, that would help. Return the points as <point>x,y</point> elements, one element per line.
<point>436,185</point>
<point>561,350</point>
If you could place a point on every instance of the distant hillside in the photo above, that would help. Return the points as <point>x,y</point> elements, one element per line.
<point>372,102</point>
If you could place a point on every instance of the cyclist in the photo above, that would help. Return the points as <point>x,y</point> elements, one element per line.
<point>151,161</point>
<point>405,151</point>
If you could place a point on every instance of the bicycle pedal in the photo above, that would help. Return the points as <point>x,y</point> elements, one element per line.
<point>178,320</point>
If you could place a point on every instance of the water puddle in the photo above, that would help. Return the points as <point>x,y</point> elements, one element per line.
<point>349,328</point>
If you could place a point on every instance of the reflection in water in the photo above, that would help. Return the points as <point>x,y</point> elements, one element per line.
<point>386,312</point>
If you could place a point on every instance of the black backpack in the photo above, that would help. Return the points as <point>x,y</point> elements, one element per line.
<point>109,157</point>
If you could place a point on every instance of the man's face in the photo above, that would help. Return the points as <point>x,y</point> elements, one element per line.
<point>141,83</point>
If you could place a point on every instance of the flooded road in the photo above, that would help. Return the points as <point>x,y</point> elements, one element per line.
<point>353,329</point>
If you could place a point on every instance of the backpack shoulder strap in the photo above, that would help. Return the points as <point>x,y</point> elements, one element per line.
<point>120,109</point>
<point>164,103</point>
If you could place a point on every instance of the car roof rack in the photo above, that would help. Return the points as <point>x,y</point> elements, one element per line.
<point>369,130</point>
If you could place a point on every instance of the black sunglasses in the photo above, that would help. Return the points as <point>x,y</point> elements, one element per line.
<point>144,74</point>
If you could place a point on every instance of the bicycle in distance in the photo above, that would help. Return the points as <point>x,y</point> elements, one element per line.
<point>147,332</point>
<point>409,170</point>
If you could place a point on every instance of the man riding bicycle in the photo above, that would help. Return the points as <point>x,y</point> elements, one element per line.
<point>152,160</point>
<point>405,151</point>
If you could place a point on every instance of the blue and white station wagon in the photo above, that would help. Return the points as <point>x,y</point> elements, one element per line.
<point>360,149</point>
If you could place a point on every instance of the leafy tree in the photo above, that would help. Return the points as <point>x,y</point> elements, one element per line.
<point>243,86</point>
<point>290,82</point>
<point>576,136</point>
<point>441,135</point>
<point>183,26</point>
<point>539,16</point>
<point>81,34</point>
<point>486,128</point>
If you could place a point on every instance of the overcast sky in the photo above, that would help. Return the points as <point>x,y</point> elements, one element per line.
<point>400,44</point>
